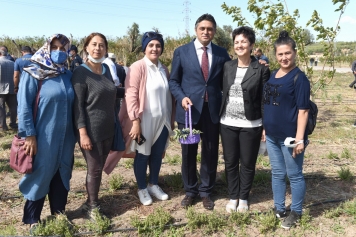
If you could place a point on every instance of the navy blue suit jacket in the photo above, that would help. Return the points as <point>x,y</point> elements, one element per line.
<point>187,80</point>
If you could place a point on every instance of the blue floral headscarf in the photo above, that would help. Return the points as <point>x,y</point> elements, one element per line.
<point>44,67</point>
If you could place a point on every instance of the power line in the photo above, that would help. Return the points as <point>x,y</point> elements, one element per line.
<point>186,18</point>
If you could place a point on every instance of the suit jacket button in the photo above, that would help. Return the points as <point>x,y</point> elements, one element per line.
<point>245,91</point>
<point>206,84</point>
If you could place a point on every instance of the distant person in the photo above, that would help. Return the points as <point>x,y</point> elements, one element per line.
<point>8,56</point>
<point>7,93</point>
<point>286,108</point>
<point>76,60</point>
<point>112,69</point>
<point>121,63</point>
<point>20,63</point>
<point>120,70</point>
<point>121,74</point>
<point>311,60</point>
<point>260,56</point>
<point>316,61</point>
<point>353,69</point>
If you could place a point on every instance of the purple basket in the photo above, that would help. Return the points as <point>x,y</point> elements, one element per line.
<point>191,138</point>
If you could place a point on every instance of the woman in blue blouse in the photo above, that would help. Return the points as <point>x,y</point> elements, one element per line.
<point>50,136</point>
<point>286,106</point>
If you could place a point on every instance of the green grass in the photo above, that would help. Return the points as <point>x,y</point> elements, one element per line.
<point>345,174</point>
<point>173,160</point>
<point>55,225</point>
<point>267,222</point>
<point>174,181</point>
<point>331,155</point>
<point>115,182</point>
<point>128,163</point>
<point>100,225</point>
<point>209,223</point>
<point>346,153</point>
<point>262,178</point>
<point>154,223</point>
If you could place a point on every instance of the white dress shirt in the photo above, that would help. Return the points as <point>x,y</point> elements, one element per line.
<point>200,51</point>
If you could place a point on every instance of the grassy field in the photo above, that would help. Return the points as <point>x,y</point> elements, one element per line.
<point>329,208</point>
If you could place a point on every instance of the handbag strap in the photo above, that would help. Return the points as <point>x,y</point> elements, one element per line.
<point>37,100</point>
<point>189,113</point>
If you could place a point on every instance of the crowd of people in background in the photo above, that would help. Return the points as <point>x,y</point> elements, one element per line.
<point>240,99</point>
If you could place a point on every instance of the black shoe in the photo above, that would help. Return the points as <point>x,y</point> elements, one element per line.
<point>187,201</point>
<point>208,203</point>
<point>291,220</point>
<point>279,214</point>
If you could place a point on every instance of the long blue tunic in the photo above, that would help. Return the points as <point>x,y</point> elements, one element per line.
<point>53,129</point>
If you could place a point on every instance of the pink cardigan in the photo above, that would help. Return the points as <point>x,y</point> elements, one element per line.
<point>132,108</point>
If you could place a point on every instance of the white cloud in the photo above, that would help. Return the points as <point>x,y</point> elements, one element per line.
<point>348,19</point>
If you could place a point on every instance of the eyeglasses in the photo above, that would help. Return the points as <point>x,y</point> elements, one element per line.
<point>154,35</point>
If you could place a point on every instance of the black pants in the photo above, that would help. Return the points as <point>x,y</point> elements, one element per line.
<point>57,197</point>
<point>209,157</point>
<point>353,83</point>
<point>95,159</point>
<point>240,146</point>
<point>11,101</point>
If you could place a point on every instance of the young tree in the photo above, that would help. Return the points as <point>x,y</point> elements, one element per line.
<point>271,17</point>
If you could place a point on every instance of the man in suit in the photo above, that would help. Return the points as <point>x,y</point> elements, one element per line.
<point>196,79</point>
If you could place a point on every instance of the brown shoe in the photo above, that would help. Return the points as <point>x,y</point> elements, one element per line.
<point>187,201</point>
<point>208,203</point>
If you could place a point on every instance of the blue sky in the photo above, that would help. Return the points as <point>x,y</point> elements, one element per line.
<point>112,18</point>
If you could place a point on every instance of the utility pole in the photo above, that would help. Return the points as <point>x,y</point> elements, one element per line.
<point>186,18</point>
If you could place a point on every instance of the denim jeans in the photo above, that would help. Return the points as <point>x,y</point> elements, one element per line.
<point>154,161</point>
<point>284,164</point>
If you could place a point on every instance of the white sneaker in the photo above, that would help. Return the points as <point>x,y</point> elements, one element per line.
<point>156,191</point>
<point>231,207</point>
<point>145,197</point>
<point>243,206</point>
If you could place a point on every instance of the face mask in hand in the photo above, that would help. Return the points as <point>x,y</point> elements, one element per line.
<point>58,57</point>
<point>100,60</point>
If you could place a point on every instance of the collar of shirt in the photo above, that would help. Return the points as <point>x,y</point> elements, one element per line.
<point>198,47</point>
<point>150,63</point>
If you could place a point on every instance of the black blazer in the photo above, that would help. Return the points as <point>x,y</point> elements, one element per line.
<point>252,86</point>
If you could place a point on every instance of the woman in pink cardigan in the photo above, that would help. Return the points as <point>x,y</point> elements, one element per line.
<point>146,118</point>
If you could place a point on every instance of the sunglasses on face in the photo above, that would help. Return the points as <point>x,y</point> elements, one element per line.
<point>154,35</point>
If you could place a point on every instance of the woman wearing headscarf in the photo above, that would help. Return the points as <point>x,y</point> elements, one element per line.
<point>94,114</point>
<point>146,112</point>
<point>50,136</point>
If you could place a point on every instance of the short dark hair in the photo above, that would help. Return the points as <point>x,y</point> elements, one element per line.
<point>26,49</point>
<point>73,47</point>
<point>91,36</point>
<point>206,17</point>
<point>246,31</point>
<point>284,39</point>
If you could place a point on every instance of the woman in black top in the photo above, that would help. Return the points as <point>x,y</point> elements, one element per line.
<point>94,111</point>
<point>241,117</point>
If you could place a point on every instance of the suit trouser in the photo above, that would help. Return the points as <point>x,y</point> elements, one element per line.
<point>209,157</point>
<point>11,102</point>
<point>240,147</point>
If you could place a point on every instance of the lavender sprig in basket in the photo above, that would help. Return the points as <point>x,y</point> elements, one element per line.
<point>188,135</point>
